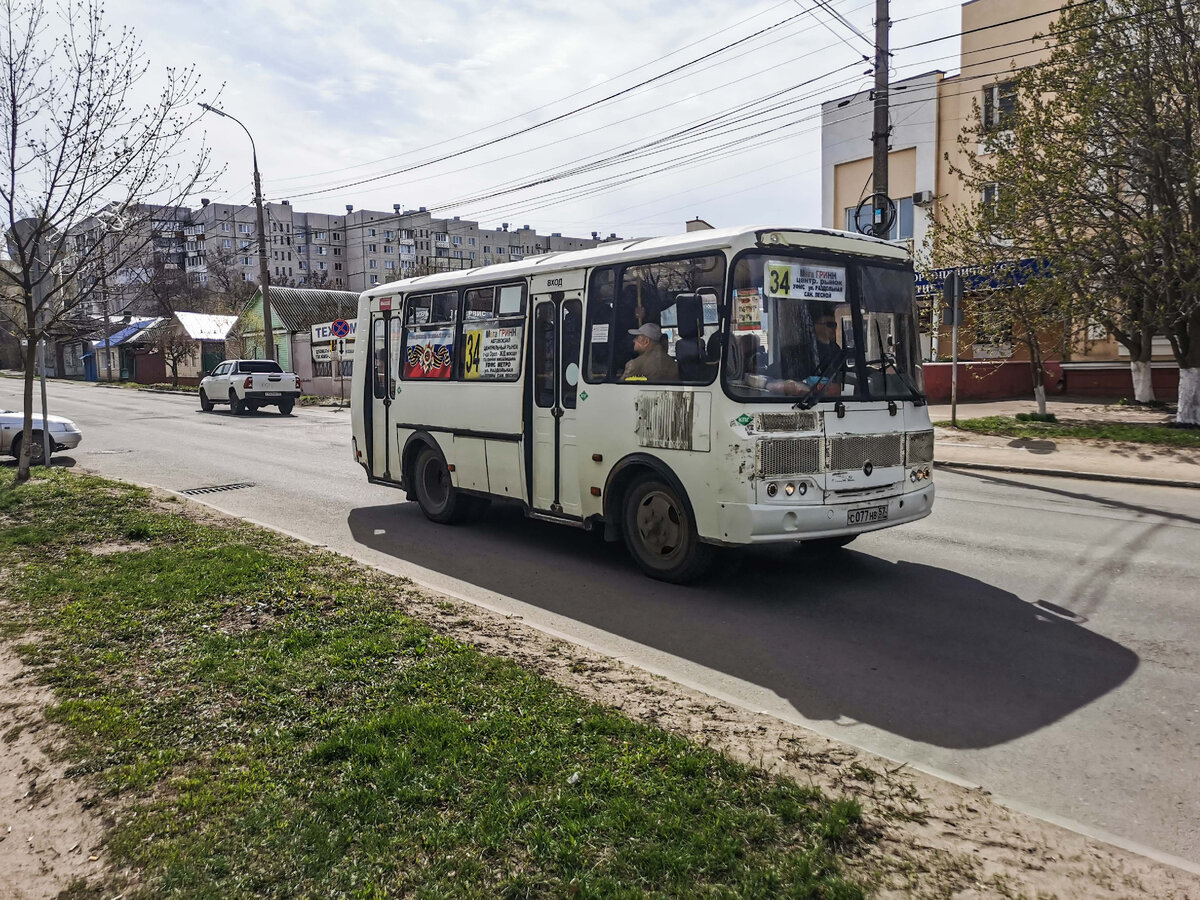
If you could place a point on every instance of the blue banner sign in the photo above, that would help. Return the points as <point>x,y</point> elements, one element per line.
<point>985,278</point>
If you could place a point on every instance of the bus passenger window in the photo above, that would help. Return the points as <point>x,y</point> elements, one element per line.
<point>493,330</point>
<point>429,336</point>
<point>675,305</point>
<point>598,337</point>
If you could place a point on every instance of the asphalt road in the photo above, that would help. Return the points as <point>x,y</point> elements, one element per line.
<point>1035,636</point>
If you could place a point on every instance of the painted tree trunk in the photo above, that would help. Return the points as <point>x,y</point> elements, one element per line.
<point>1143,384</point>
<point>1189,397</point>
<point>1039,392</point>
<point>27,400</point>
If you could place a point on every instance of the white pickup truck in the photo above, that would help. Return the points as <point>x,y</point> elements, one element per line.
<point>249,384</point>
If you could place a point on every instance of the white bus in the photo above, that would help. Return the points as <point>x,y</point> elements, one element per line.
<point>772,392</point>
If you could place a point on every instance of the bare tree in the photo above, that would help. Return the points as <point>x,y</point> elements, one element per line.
<point>176,347</point>
<point>81,161</point>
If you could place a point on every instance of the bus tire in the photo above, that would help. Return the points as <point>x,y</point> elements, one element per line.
<point>829,543</point>
<point>660,533</point>
<point>439,500</point>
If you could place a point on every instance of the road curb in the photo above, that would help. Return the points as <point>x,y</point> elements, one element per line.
<point>1067,473</point>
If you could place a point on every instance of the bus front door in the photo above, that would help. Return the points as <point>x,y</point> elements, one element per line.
<point>557,332</point>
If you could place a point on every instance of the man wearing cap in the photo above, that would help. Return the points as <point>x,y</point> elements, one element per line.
<point>651,361</point>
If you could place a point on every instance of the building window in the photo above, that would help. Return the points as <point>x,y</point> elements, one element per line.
<point>243,229</point>
<point>245,260</point>
<point>902,228</point>
<point>372,264</point>
<point>337,267</point>
<point>337,251</point>
<point>389,248</point>
<point>320,235</point>
<point>226,244</point>
<point>388,235</point>
<point>457,240</point>
<point>370,232</point>
<point>224,226</point>
<point>389,264</point>
<point>337,236</point>
<point>372,248</point>
<point>374,279</point>
<point>999,105</point>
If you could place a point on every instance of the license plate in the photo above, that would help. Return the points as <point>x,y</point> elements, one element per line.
<point>865,516</point>
<point>274,393</point>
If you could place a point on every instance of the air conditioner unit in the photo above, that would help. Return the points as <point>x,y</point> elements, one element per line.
<point>922,198</point>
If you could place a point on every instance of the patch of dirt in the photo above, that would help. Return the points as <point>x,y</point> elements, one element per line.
<point>51,827</point>
<point>115,547</point>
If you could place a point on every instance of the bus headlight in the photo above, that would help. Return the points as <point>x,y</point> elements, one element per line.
<point>772,489</point>
<point>789,489</point>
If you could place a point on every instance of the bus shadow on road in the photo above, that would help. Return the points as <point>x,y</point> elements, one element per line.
<point>919,651</point>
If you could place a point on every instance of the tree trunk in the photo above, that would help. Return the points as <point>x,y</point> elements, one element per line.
<point>1189,397</point>
<point>27,400</point>
<point>1039,375</point>
<point>1143,385</point>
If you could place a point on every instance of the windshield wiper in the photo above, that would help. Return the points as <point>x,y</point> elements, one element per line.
<point>888,359</point>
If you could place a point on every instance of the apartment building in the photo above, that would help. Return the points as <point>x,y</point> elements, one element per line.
<point>352,251</point>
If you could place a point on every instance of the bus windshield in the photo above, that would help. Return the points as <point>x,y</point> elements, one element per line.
<point>797,327</point>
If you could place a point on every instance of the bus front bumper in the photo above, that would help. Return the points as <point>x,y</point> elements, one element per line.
<point>762,523</point>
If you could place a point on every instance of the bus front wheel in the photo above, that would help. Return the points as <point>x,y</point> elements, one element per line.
<point>435,490</point>
<point>660,533</point>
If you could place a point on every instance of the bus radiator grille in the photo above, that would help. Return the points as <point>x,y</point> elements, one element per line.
<point>776,457</point>
<point>788,421</point>
<point>853,451</point>
<point>919,447</point>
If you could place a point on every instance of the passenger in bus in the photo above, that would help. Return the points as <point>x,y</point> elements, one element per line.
<point>651,361</point>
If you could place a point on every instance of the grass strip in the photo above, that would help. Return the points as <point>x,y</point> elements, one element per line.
<point>1008,426</point>
<point>269,723</point>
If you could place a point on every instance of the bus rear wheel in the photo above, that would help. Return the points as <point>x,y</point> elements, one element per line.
<point>660,533</point>
<point>439,500</point>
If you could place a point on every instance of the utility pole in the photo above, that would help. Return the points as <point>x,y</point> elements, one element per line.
<point>264,276</point>
<point>882,209</point>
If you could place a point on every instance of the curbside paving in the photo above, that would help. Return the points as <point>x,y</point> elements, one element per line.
<point>1067,473</point>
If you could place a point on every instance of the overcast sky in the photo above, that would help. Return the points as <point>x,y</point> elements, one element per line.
<point>357,90</point>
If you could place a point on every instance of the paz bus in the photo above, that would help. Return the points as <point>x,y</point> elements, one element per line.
<point>717,388</point>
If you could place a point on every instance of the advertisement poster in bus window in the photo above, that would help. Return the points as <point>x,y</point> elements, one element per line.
<point>805,281</point>
<point>492,354</point>
<point>747,309</point>
<point>428,353</point>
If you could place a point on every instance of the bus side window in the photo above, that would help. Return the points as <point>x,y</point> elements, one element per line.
<point>599,337</point>
<point>493,331</point>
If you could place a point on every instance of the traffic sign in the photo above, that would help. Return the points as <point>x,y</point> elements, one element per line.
<point>340,328</point>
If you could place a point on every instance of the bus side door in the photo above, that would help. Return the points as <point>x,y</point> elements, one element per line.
<point>385,355</point>
<point>557,333</point>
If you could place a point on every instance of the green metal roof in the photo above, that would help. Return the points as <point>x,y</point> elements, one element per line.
<point>298,309</point>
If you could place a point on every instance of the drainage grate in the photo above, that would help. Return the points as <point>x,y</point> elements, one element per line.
<point>217,488</point>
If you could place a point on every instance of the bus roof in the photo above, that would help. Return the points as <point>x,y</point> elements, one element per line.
<point>614,251</point>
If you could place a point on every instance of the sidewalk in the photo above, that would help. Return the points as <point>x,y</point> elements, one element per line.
<point>1094,460</point>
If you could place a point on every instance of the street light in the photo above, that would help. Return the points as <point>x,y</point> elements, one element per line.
<point>264,277</point>
<point>111,222</point>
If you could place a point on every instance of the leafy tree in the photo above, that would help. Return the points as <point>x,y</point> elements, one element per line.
<point>77,140</point>
<point>1097,171</point>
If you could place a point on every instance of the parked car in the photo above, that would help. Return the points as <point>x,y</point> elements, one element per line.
<point>64,435</point>
<point>248,385</point>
